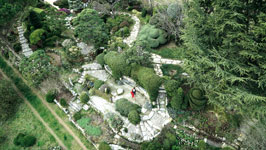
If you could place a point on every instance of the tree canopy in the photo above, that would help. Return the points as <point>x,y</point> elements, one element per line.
<point>91,28</point>
<point>226,51</point>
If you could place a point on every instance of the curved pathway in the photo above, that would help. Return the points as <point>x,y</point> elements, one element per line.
<point>36,114</point>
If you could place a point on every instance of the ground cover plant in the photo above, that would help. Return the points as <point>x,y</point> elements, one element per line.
<point>90,130</point>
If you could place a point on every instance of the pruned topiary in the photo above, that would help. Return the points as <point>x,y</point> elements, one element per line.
<point>197,101</point>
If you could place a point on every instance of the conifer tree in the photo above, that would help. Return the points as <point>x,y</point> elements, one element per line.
<point>226,52</point>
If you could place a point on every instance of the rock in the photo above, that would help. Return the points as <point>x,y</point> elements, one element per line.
<point>85,49</point>
<point>104,88</point>
<point>120,91</point>
<point>67,42</point>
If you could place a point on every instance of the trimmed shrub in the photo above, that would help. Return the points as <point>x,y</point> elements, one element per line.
<point>104,146</point>
<point>36,36</point>
<point>123,106</point>
<point>98,84</point>
<point>50,96</point>
<point>84,97</point>
<point>197,101</point>
<point>77,116</point>
<point>185,103</point>
<point>171,87</point>
<point>150,81</point>
<point>24,140</point>
<point>134,117</point>
<point>177,99</point>
<point>63,102</point>
<point>117,62</point>
<point>153,36</point>
<point>100,59</point>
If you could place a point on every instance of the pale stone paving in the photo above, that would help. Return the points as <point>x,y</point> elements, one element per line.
<point>26,50</point>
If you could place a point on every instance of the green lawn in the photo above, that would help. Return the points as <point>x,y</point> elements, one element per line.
<point>25,122</point>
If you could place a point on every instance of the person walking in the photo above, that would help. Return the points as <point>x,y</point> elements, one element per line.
<point>133,93</point>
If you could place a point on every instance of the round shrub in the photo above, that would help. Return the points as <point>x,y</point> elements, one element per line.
<point>50,96</point>
<point>63,102</point>
<point>77,116</point>
<point>153,36</point>
<point>134,117</point>
<point>123,106</point>
<point>100,59</point>
<point>197,100</point>
<point>84,97</point>
<point>24,140</point>
<point>171,87</point>
<point>98,84</point>
<point>104,146</point>
<point>36,36</point>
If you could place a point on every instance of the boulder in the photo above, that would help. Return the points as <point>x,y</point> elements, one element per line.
<point>104,88</point>
<point>120,91</point>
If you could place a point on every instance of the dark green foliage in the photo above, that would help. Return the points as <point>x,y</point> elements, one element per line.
<point>202,145</point>
<point>17,47</point>
<point>24,140</point>
<point>178,100</point>
<point>115,121</point>
<point>118,23</point>
<point>91,28</point>
<point>143,12</point>
<point>98,84</point>
<point>100,59</point>
<point>134,117</point>
<point>77,116</point>
<point>117,62</point>
<point>84,97</point>
<point>61,3</point>
<point>35,19</point>
<point>123,106</point>
<point>36,68</point>
<point>197,101</point>
<point>225,53</point>
<point>153,36</point>
<point>149,80</point>
<point>104,146</point>
<point>9,100</point>
<point>50,96</point>
<point>63,102</point>
<point>174,53</point>
<point>171,87</point>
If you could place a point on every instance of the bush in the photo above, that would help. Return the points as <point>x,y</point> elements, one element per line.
<point>100,59</point>
<point>104,146</point>
<point>202,145</point>
<point>50,96</point>
<point>177,99</point>
<point>143,12</point>
<point>123,106</point>
<point>37,36</point>
<point>197,101</point>
<point>150,81</point>
<point>24,140</point>
<point>117,62</point>
<point>171,87</point>
<point>153,36</point>
<point>77,116</point>
<point>61,3</point>
<point>134,117</point>
<point>63,102</point>
<point>17,47</point>
<point>98,84</point>
<point>115,121</point>
<point>84,97</point>
<point>124,24</point>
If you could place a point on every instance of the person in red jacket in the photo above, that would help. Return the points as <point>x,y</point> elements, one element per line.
<point>133,92</point>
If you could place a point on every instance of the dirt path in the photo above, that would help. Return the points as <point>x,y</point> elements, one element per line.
<point>36,114</point>
<point>76,138</point>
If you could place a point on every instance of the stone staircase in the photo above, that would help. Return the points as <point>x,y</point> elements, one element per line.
<point>26,50</point>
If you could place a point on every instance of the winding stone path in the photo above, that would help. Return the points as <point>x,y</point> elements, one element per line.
<point>26,50</point>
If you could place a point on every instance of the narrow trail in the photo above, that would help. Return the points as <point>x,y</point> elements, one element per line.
<point>36,114</point>
<point>35,91</point>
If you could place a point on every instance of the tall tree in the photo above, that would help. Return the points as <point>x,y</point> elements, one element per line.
<point>226,52</point>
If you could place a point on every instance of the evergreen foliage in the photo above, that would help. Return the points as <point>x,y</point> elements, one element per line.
<point>84,97</point>
<point>153,36</point>
<point>124,107</point>
<point>37,36</point>
<point>76,5</point>
<point>50,96</point>
<point>171,87</point>
<point>100,59</point>
<point>63,102</point>
<point>24,140</point>
<point>134,117</point>
<point>225,53</point>
<point>197,101</point>
<point>61,3</point>
<point>91,28</point>
<point>98,84</point>
<point>178,100</point>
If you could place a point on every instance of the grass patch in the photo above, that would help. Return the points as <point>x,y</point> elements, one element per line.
<point>85,123</point>
<point>172,53</point>
<point>25,122</point>
<point>37,104</point>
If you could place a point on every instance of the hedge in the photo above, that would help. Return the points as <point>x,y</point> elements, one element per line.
<point>171,87</point>
<point>134,117</point>
<point>150,81</point>
<point>124,107</point>
<point>197,100</point>
<point>100,59</point>
<point>37,104</point>
<point>178,100</point>
<point>117,62</point>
